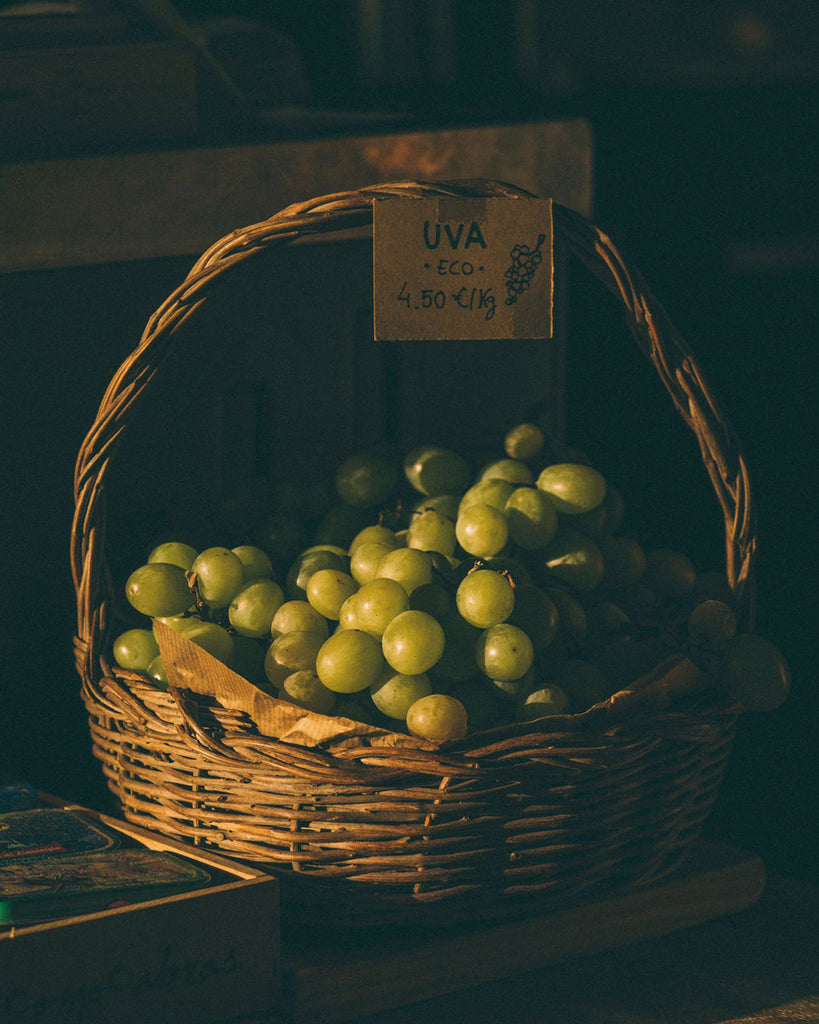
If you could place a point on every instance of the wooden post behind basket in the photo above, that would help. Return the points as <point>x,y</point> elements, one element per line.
<point>647,320</point>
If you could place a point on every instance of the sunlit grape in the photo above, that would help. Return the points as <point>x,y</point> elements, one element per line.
<point>431,531</point>
<point>158,589</point>
<point>378,602</point>
<point>434,470</point>
<point>444,504</point>
<point>304,689</point>
<point>574,488</point>
<point>211,637</point>
<point>298,615</point>
<point>256,563</point>
<point>174,553</point>
<point>513,470</point>
<point>484,598</point>
<point>413,642</point>
<point>349,661</point>
<point>135,649</point>
<point>375,534</point>
<point>393,693</point>
<point>365,559</point>
<point>251,611</point>
<point>492,492</point>
<point>541,703</point>
<point>438,717</point>
<point>531,516</point>
<point>409,566</point>
<point>219,576</point>
<point>482,530</point>
<point>292,652</point>
<point>309,562</point>
<point>504,652</point>
<point>328,589</point>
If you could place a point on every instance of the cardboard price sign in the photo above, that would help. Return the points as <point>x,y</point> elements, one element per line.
<point>448,269</point>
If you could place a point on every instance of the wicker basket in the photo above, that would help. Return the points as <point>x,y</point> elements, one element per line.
<point>550,812</point>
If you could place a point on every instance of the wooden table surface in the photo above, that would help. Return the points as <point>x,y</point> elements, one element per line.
<point>757,966</point>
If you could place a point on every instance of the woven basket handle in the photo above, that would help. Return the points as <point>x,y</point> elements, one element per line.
<point>646,319</point>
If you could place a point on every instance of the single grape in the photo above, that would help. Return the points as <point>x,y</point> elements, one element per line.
<point>251,611</point>
<point>531,516</point>
<point>298,615</point>
<point>304,689</point>
<point>711,624</point>
<point>378,602</point>
<point>431,531</point>
<point>485,598</point>
<point>409,566</point>
<point>444,504</point>
<point>158,589</point>
<point>375,534</point>
<point>135,649</point>
<point>365,480</point>
<point>219,576</point>
<point>670,573</point>
<point>523,441</point>
<point>542,703</point>
<point>536,614</point>
<point>349,661</point>
<point>365,559</point>
<point>624,562</point>
<point>290,653</point>
<point>482,530</point>
<point>157,672</point>
<point>309,562</point>
<point>492,492</point>
<point>573,558</point>
<point>512,470</point>
<point>438,717</point>
<point>504,652</point>
<point>211,637</point>
<point>328,589</point>
<point>754,672</point>
<point>393,693</point>
<point>412,642</point>
<point>256,563</point>
<point>434,470</point>
<point>574,488</point>
<point>174,553</point>
<point>348,615</point>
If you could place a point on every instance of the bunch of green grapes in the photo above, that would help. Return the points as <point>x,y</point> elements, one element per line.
<point>436,598</point>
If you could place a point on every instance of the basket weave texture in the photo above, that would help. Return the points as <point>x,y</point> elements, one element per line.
<point>553,811</point>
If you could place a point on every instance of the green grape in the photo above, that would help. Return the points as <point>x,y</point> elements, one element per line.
<point>348,614</point>
<point>281,536</point>
<point>251,611</point>
<point>135,649</point>
<point>434,470</point>
<point>504,652</point>
<point>536,614</point>
<point>485,598</point>
<point>457,663</point>
<point>431,598</point>
<point>158,589</point>
<point>393,693</point>
<point>431,531</point>
<point>365,559</point>
<point>711,624</point>
<point>409,566</point>
<point>670,573</point>
<point>438,717</point>
<point>444,504</point>
<point>211,637</point>
<point>365,480</point>
<point>483,708</point>
<point>624,562</point>
<point>382,535</point>
<point>532,517</point>
<point>574,488</point>
<point>482,530</point>
<point>572,620</point>
<point>174,552</point>
<point>157,672</point>
<point>754,672</point>
<point>340,524</point>
<point>573,558</point>
<point>542,703</point>
<point>309,562</point>
<point>377,603</point>
<point>512,470</point>
<point>625,659</point>
<point>523,441</point>
<point>298,615</point>
<point>219,576</point>
<point>248,659</point>
<point>349,661</point>
<point>492,492</point>
<point>255,562</point>
<point>583,683</point>
<point>412,642</point>
<point>328,589</point>
<point>291,652</point>
<point>304,689</point>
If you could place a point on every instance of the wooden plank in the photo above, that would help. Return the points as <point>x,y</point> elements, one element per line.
<point>86,210</point>
<point>369,974</point>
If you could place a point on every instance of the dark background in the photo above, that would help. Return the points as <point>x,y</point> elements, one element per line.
<point>704,119</point>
